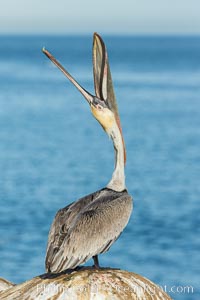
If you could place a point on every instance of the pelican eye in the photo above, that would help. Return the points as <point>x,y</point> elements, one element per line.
<point>99,107</point>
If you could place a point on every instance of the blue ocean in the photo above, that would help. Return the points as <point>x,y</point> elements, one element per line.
<point>53,152</point>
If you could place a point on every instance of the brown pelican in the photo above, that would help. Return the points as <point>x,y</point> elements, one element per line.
<point>90,225</point>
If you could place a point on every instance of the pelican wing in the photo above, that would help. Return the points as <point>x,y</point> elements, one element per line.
<point>93,230</point>
<point>61,225</point>
<point>102,75</point>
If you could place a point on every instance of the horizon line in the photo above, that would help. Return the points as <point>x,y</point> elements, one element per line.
<point>121,34</point>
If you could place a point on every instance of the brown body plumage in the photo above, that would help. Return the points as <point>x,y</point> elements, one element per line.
<point>86,228</point>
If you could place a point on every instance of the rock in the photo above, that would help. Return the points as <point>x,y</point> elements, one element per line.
<point>5,284</point>
<point>87,283</point>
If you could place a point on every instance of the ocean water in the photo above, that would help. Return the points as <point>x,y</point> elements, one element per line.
<point>52,152</point>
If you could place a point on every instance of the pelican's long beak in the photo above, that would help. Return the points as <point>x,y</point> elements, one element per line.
<point>85,93</point>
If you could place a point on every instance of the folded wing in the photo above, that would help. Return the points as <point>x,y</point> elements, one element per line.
<point>92,231</point>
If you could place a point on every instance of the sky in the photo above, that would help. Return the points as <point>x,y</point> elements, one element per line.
<point>105,16</point>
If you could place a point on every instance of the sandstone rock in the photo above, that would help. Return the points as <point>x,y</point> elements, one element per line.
<point>5,284</point>
<point>86,284</point>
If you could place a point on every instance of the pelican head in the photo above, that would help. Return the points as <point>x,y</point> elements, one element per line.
<point>103,105</point>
